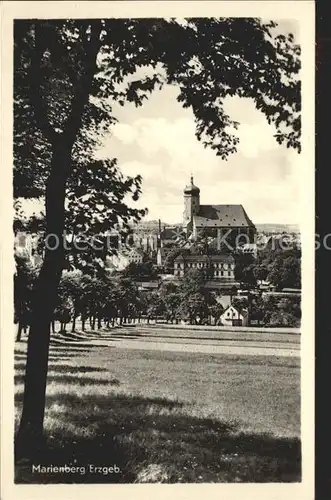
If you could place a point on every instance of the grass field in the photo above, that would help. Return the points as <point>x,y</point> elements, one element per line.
<point>168,417</point>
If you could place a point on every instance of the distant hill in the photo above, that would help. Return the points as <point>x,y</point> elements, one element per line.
<point>154,224</point>
<point>277,228</point>
<point>265,227</point>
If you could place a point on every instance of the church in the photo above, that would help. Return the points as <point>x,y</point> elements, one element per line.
<point>227,221</point>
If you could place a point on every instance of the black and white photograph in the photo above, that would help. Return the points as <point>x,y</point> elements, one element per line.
<point>161,198</point>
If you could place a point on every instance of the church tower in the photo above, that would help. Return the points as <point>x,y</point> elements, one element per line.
<point>191,204</point>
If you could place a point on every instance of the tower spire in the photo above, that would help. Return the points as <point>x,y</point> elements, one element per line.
<point>192,179</point>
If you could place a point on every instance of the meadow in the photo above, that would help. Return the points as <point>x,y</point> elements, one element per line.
<point>165,416</point>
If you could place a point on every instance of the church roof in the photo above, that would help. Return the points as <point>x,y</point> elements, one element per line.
<point>222,216</point>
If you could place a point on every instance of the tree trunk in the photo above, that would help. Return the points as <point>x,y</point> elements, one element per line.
<point>99,323</point>
<point>53,325</point>
<point>45,292</point>
<point>44,300</point>
<point>19,331</point>
<point>83,325</point>
<point>73,328</point>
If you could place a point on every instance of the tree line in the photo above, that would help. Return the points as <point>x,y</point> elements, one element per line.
<point>281,268</point>
<point>105,300</point>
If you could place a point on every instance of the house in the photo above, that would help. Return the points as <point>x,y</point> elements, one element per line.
<point>135,255</point>
<point>148,286</point>
<point>218,266</point>
<point>124,258</point>
<point>248,248</point>
<point>233,316</point>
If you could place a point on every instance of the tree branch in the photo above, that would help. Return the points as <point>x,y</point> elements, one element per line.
<point>40,110</point>
<point>84,84</point>
<point>60,52</point>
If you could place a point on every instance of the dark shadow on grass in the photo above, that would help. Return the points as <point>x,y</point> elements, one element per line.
<point>133,432</point>
<point>57,354</point>
<point>124,336</point>
<point>66,345</point>
<point>66,367</point>
<point>72,379</point>
<point>69,352</point>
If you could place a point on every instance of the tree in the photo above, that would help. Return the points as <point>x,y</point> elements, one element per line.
<point>25,276</point>
<point>285,271</point>
<point>260,272</point>
<point>194,307</point>
<point>64,311</point>
<point>216,310</point>
<point>172,303</point>
<point>126,293</point>
<point>95,202</point>
<point>168,287</point>
<point>193,282</point>
<point>195,298</point>
<point>155,306</point>
<point>144,271</point>
<point>67,74</point>
<point>244,269</point>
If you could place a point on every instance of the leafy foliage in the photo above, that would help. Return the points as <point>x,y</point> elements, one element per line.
<point>244,269</point>
<point>208,59</point>
<point>24,279</point>
<point>96,202</point>
<point>281,267</point>
<point>143,271</point>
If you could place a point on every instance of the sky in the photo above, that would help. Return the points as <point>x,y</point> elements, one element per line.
<point>158,141</point>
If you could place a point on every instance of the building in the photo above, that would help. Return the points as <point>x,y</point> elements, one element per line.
<point>229,222</point>
<point>233,316</point>
<point>218,266</point>
<point>123,258</point>
<point>135,255</point>
<point>147,286</point>
<point>249,248</point>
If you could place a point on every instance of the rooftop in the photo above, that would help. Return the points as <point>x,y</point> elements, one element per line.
<point>222,216</point>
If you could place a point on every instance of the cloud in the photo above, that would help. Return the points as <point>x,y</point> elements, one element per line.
<point>160,144</point>
<point>125,133</point>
